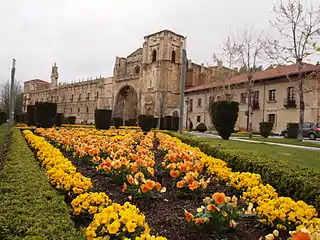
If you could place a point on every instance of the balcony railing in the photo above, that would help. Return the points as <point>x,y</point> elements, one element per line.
<point>289,103</point>
<point>255,105</point>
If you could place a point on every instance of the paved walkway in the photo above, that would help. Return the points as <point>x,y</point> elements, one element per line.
<point>209,135</point>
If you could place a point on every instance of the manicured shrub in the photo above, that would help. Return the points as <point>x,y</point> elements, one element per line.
<point>162,124</point>
<point>289,180</point>
<point>224,115</point>
<point>131,122</point>
<point>102,118</point>
<point>30,208</point>
<point>146,122</point>
<point>175,123</point>
<point>45,113</point>
<point>117,122</point>
<point>201,127</point>
<point>59,119</point>
<point>167,122</point>
<point>72,120</point>
<point>265,128</point>
<point>293,129</point>
<point>31,115</point>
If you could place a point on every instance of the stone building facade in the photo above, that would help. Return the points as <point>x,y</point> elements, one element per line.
<point>274,97</point>
<point>145,82</point>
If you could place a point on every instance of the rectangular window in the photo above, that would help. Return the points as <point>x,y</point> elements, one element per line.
<point>190,105</point>
<point>291,94</point>
<point>97,95</point>
<point>272,95</point>
<point>243,98</point>
<point>211,99</point>
<point>199,102</point>
<point>272,118</point>
<point>255,96</point>
<point>198,119</point>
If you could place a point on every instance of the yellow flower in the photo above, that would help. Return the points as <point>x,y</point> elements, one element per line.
<point>131,226</point>
<point>113,228</point>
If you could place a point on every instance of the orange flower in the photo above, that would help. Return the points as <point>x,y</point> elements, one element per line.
<point>301,235</point>
<point>174,173</point>
<point>180,184</point>
<point>188,215</point>
<point>158,186</point>
<point>117,164</point>
<point>124,187</point>
<point>144,188</point>
<point>188,178</point>
<point>212,208</point>
<point>199,221</point>
<point>130,179</point>
<point>219,197</point>
<point>150,184</point>
<point>194,185</point>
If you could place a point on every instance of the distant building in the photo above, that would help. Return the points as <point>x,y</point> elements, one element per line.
<point>274,97</point>
<point>145,82</point>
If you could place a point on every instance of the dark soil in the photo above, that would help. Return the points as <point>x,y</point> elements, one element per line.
<point>165,215</point>
<point>4,148</point>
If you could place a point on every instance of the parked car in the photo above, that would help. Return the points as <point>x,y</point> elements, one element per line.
<point>310,130</point>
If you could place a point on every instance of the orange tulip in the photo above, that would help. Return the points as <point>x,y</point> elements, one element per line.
<point>188,178</point>
<point>144,188</point>
<point>219,197</point>
<point>174,173</point>
<point>212,208</point>
<point>151,171</point>
<point>150,184</point>
<point>188,215</point>
<point>301,235</point>
<point>124,187</point>
<point>194,185</point>
<point>130,179</point>
<point>180,184</point>
<point>199,221</point>
<point>158,186</point>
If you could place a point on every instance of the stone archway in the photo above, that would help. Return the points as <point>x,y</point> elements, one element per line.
<point>126,104</point>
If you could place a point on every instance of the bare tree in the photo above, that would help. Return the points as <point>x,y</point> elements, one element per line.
<point>5,97</point>
<point>247,50</point>
<point>165,105</point>
<point>299,27</point>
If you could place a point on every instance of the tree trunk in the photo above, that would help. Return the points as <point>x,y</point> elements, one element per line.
<point>301,115</point>
<point>249,127</point>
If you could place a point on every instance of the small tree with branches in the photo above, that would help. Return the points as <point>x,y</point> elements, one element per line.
<point>299,27</point>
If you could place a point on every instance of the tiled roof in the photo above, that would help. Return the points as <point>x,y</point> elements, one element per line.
<point>268,74</point>
<point>37,81</point>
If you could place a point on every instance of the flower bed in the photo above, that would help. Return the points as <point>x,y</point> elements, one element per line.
<point>157,171</point>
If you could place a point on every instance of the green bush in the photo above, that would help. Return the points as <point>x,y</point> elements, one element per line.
<point>146,122</point>
<point>31,115</point>
<point>175,123</point>
<point>289,180</point>
<point>30,208</point>
<point>3,117</point>
<point>45,113</point>
<point>117,122</point>
<point>131,122</point>
<point>293,129</point>
<point>72,120</point>
<point>265,128</point>
<point>102,118</point>
<point>59,119</point>
<point>201,127</point>
<point>224,115</point>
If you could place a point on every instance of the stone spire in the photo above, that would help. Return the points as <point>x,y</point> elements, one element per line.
<point>54,76</point>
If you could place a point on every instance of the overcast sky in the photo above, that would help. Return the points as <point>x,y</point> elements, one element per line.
<point>84,37</point>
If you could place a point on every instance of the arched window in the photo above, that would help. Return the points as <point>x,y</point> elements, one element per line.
<point>88,97</point>
<point>87,110</point>
<point>137,70</point>
<point>78,110</point>
<point>173,56</point>
<point>70,110</point>
<point>154,55</point>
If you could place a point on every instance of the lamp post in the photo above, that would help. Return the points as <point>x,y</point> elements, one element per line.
<point>187,112</point>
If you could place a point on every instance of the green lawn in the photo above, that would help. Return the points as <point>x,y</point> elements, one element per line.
<point>3,132</point>
<point>296,156</point>
<point>282,140</point>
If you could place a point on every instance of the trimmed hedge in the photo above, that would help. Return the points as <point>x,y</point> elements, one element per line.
<point>59,119</point>
<point>117,122</point>
<point>45,113</point>
<point>289,180</point>
<point>265,128</point>
<point>31,115</point>
<point>72,120</point>
<point>30,208</point>
<point>293,129</point>
<point>102,118</point>
<point>146,122</point>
